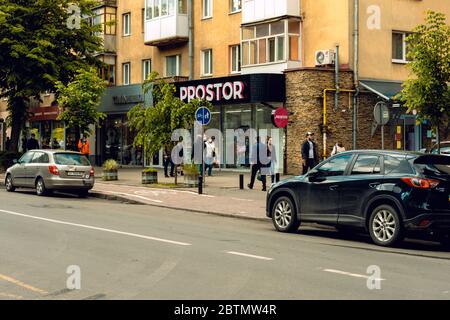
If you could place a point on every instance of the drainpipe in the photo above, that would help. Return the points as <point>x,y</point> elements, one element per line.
<point>336,78</point>
<point>191,40</point>
<point>355,71</point>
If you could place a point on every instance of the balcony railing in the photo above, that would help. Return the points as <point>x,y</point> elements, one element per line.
<point>166,30</point>
<point>259,10</point>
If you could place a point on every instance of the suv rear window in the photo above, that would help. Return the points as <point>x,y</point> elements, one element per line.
<point>433,164</point>
<point>71,159</point>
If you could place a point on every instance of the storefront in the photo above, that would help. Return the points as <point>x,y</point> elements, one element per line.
<point>114,138</point>
<point>240,102</point>
<point>44,125</point>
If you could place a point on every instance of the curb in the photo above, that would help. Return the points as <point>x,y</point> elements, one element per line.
<point>126,200</point>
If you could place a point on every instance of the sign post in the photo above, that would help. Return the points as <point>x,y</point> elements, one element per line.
<point>203,117</point>
<point>381,115</point>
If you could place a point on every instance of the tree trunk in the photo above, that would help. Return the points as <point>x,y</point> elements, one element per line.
<point>17,108</point>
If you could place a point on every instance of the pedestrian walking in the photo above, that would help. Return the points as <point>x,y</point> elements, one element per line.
<point>310,156</point>
<point>257,163</point>
<point>32,143</point>
<point>272,156</point>
<point>7,144</point>
<point>338,148</point>
<point>167,160</point>
<point>210,154</point>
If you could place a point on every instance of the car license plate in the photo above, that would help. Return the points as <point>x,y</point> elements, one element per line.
<point>74,173</point>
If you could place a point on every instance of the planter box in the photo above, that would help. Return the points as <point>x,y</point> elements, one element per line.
<point>110,175</point>
<point>190,180</point>
<point>149,177</point>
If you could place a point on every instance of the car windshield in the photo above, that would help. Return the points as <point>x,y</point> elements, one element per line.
<point>71,159</point>
<point>434,164</point>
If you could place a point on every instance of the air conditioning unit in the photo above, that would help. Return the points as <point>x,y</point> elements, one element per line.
<point>324,57</point>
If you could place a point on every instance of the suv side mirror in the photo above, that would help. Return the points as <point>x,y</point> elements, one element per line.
<point>316,176</point>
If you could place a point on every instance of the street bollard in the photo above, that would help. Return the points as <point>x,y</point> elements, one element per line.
<point>241,181</point>
<point>277,177</point>
<point>200,185</point>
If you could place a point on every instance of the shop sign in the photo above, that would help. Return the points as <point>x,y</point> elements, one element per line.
<point>44,113</point>
<point>128,99</point>
<point>280,117</point>
<point>214,92</point>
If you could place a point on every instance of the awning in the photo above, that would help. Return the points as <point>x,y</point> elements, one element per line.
<point>384,89</point>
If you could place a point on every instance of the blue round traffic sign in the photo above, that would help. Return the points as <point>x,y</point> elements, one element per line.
<point>203,116</point>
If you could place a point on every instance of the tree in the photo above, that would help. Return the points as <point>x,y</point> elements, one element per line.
<point>80,100</point>
<point>154,125</point>
<point>427,91</point>
<point>40,43</point>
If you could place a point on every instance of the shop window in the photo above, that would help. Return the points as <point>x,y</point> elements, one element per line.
<point>235,52</point>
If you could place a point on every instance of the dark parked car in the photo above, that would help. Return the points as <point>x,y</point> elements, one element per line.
<point>385,193</point>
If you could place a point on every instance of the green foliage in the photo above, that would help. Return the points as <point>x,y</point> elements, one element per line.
<point>154,125</point>
<point>110,165</point>
<point>37,48</point>
<point>80,100</point>
<point>427,90</point>
<point>149,170</point>
<point>190,169</point>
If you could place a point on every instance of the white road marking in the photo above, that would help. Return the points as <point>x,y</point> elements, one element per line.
<point>96,228</point>
<point>350,274</point>
<point>133,195</point>
<point>249,255</point>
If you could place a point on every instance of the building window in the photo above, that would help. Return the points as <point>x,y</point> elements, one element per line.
<point>106,17</point>
<point>207,62</point>
<point>207,8</point>
<point>126,18</point>
<point>399,47</point>
<point>146,68</point>
<point>108,73</point>
<point>161,8</point>
<point>126,73</point>
<point>235,6</point>
<point>271,42</point>
<point>235,58</point>
<point>173,66</point>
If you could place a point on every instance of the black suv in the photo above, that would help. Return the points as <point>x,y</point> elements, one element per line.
<point>385,193</point>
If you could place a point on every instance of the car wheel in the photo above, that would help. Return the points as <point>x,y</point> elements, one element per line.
<point>384,226</point>
<point>41,190</point>
<point>9,184</point>
<point>284,216</point>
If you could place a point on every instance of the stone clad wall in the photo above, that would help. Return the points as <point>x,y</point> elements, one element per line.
<point>304,99</point>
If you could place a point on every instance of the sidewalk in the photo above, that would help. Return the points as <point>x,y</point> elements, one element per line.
<point>221,193</point>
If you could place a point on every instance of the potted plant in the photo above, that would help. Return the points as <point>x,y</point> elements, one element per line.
<point>149,176</point>
<point>191,175</point>
<point>110,170</point>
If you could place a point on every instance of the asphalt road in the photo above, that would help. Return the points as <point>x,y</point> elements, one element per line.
<point>128,251</point>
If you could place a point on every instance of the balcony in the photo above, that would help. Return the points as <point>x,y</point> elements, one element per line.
<point>260,10</point>
<point>166,30</point>
<point>166,22</point>
<point>105,3</point>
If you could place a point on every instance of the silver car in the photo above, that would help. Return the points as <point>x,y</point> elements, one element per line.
<point>48,170</point>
